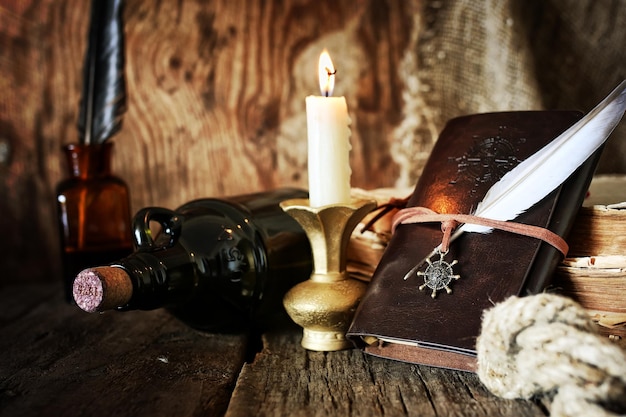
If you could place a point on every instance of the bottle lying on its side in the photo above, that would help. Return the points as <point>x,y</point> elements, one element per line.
<point>216,264</point>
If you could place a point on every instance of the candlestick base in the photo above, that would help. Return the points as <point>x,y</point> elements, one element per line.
<point>324,304</point>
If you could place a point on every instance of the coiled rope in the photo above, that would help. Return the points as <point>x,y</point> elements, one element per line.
<point>546,345</point>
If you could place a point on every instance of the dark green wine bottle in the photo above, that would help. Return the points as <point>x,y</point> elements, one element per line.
<point>217,264</point>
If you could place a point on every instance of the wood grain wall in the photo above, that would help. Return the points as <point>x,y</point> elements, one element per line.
<point>216,92</point>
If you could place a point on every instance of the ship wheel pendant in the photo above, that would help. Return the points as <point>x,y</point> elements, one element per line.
<point>438,275</point>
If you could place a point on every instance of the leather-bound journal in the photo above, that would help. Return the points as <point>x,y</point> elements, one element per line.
<point>398,317</point>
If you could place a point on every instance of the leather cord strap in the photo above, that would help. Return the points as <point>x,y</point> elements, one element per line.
<point>393,203</point>
<point>450,221</point>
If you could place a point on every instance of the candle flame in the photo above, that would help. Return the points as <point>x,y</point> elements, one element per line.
<point>326,74</point>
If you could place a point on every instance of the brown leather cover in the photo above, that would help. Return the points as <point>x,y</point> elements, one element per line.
<point>471,154</point>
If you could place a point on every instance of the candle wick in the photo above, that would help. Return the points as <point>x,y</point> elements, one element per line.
<point>330,74</point>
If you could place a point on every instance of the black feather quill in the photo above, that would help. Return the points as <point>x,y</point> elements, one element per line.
<point>103,101</point>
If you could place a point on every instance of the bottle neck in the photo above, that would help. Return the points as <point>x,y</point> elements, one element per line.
<point>89,161</point>
<point>159,278</point>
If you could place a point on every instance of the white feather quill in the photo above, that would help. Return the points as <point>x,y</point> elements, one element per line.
<point>541,173</point>
<point>544,171</point>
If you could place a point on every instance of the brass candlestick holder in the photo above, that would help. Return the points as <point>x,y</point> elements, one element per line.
<point>324,304</point>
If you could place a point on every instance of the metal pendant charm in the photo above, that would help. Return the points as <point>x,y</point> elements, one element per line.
<point>438,275</point>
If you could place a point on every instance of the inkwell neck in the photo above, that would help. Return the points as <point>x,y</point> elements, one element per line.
<point>89,161</point>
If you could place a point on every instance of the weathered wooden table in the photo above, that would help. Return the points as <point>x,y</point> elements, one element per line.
<point>59,361</point>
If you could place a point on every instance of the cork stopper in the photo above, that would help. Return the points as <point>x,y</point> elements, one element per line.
<point>102,288</point>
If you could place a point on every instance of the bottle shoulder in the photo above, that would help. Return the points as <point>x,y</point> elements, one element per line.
<point>257,210</point>
<point>252,202</point>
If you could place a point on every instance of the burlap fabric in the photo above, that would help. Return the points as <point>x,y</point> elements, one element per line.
<point>473,56</point>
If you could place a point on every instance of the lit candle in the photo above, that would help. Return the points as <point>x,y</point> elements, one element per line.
<point>328,141</point>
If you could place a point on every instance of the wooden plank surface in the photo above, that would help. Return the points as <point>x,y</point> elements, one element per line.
<point>285,379</point>
<point>59,361</point>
